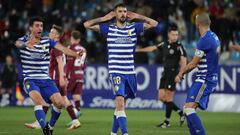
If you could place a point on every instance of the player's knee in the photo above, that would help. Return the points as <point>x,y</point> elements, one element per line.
<point>59,104</point>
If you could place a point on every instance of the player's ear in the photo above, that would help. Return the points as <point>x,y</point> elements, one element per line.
<point>30,28</point>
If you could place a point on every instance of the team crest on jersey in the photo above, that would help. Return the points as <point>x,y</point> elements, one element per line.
<point>171,51</point>
<point>43,47</point>
<point>116,88</point>
<point>129,32</point>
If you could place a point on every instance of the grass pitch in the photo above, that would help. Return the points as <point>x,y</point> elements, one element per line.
<point>99,121</point>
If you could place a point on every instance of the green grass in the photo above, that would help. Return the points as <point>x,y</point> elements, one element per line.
<point>98,122</point>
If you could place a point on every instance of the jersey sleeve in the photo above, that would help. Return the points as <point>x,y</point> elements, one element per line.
<point>201,48</point>
<point>52,43</point>
<point>160,45</point>
<point>57,53</point>
<point>139,28</point>
<point>104,29</point>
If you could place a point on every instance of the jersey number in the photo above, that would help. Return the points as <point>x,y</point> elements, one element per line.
<point>117,80</point>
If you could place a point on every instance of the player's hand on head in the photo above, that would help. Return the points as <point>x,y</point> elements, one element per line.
<point>109,16</point>
<point>131,15</point>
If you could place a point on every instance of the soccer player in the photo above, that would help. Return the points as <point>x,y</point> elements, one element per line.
<point>173,56</point>
<point>206,59</point>
<point>35,57</point>
<point>75,71</point>
<point>56,72</point>
<point>121,41</point>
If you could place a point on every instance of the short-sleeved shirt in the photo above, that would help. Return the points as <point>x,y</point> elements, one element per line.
<point>207,48</point>
<point>35,62</point>
<point>121,43</point>
<point>75,66</point>
<point>53,67</point>
<point>172,53</point>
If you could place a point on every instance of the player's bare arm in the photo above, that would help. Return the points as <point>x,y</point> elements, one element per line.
<point>28,44</point>
<point>68,51</point>
<point>235,47</point>
<point>148,22</point>
<point>182,63</point>
<point>147,49</point>
<point>62,81</point>
<point>94,23</point>
<point>190,66</point>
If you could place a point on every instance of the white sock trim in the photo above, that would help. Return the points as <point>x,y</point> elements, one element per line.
<point>120,114</point>
<point>56,109</point>
<point>189,111</point>
<point>38,107</point>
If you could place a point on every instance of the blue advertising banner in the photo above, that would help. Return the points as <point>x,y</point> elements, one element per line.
<point>98,94</point>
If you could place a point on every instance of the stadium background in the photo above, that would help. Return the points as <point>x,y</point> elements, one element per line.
<point>71,14</point>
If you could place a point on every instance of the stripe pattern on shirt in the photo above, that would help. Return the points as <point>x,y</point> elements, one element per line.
<point>121,44</point>
<point>35,62</point>
<point>202,69</point>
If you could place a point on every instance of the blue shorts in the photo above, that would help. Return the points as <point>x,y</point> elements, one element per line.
<point>45,87</point>
<point>199,93</point>
<point>124,85</point>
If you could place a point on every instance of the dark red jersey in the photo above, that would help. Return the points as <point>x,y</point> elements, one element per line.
<point>53,67</point>
<point>75,66</point>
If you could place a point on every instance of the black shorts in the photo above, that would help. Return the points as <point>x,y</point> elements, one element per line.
<point>168,77</point>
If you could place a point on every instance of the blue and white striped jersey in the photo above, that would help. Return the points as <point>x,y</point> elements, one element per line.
<point>207,48</point>
<point>35,62</point>
<point>121,43</point>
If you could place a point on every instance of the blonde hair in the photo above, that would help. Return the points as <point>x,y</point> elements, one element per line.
<point>203,19</point>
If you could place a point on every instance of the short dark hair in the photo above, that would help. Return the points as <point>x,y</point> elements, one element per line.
<point>120,5</point>
<point>76,35</point>
<point>34,19</point>
<point>172,28</point>
<point>58,29</point>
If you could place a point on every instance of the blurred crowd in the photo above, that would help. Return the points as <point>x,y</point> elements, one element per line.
<point>71,14</point>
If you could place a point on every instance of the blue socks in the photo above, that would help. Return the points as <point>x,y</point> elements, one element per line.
<point>122,121</point>
<point>55,115</point>
<point>40,115</point>
<point>115,125</point>
<point>194,123</point>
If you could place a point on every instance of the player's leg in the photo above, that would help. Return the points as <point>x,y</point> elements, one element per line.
<point>57,105</point>
<point>52,94</point>
<point>194,123</point>
<point>33,90</point>
<point>35,124</point>
<point>119,118</point>
<point>120,114</point>
<point>168,110</point>
<point>197,96</point>
<point>77,92</point>
<point>69,107</point>
<point>172,106</point>
<point>38,107</point>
